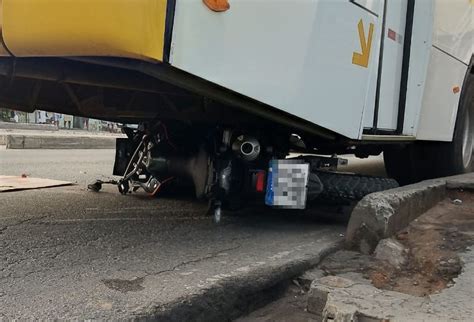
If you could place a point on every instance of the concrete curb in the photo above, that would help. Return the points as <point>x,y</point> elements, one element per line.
<point>382,214</point>
<point>57,142</point>
<point>27,126</point>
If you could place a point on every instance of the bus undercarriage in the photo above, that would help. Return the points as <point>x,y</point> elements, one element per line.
<point>195,135</point>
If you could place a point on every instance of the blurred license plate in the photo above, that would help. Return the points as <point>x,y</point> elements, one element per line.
<point>287,184</point>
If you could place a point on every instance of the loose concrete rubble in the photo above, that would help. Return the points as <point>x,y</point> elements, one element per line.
<point>336,298</point>
<point>308,277</point>
<point>457,201</point>
<point>312,274</point>
<point>340,299</point>
<point>391,251</point>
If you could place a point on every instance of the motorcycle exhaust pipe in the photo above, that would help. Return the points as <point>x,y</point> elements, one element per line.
<point>247,148</point>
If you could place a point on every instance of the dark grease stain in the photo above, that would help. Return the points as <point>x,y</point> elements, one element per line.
<point>124,286</point>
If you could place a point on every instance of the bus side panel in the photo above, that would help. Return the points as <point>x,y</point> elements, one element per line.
<point>420,51</point>
<point>441,97</point>
<point>391,72</point>
<point>453,44</point>
<point>296,56</point>
<point>454,28</point>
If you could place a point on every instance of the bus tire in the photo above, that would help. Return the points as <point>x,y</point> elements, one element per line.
<point>426,160</point>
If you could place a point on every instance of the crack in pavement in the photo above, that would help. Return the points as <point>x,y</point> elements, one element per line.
<point>21,222</point>
<point>135,284</point>
<point>197,260</point>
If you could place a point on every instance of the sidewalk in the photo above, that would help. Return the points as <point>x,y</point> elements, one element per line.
<point>52,138</point>
<point>27,126</point>
<point>54,131</point>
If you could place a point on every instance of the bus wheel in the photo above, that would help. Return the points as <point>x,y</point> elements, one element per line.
<point>467,146</point>
<point>426,160</point>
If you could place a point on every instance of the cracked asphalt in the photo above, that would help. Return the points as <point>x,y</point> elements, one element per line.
<point>69,253</point>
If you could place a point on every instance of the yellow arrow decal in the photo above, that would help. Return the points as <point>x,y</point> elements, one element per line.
<point>362,59</point>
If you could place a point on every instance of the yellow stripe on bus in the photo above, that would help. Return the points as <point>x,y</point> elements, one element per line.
<point>118,28</point>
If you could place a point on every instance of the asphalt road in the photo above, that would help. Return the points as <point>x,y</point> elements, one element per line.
<point>69,253</point>
<point>78,166</point>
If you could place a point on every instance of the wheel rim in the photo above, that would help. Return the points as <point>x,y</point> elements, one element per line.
<point>467,140</point>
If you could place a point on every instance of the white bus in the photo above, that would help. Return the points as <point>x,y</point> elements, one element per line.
<point>229,85</point>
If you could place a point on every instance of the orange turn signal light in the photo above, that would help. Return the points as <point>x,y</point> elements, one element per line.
<point>217,5</point>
